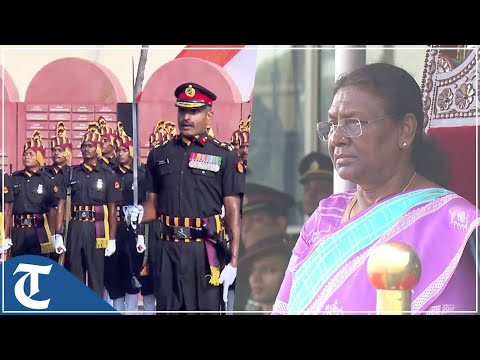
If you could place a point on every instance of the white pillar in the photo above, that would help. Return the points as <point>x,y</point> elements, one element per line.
<point>347,58</point>
<point>312,88</point>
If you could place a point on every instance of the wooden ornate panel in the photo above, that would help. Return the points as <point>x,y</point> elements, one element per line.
<point>450,100</point>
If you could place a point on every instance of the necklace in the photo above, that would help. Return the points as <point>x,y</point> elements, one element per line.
<point>410,182</point>
<point>356,199</point>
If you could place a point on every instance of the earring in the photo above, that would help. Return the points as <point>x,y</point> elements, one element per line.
<point>404,144</point>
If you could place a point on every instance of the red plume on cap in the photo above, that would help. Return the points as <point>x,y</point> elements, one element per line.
<point>62,140</point>
<point>244,138</point>
<point>155,138</point>
<point>94,136</point>
<point>93,126</point>
<point>36,144</point>
<point>235,138</point>
<point>120,129</point>
<point>160,126</point>
<point>247,123</point>
<point>107,132</point>
<point>125,141</point>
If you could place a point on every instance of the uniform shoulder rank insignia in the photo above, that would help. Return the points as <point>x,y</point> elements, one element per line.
<point>223,145</point>
<point>108,169</point>
<point>203,140</point>
<point>117,185</point>
<point>240,167</point>
<point>205,162</point>
<point>5,189</point>
<point>55,189</point>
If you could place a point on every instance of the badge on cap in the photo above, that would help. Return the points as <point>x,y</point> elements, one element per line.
<point>190,91</point>
<point>99,184</point>
<point>314,165</point>
<point>40,189</point>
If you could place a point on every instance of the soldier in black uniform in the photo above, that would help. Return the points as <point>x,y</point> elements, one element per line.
<point>316,176</point>
<point>92,231</point>
<point>36,196</point>
<point>123,270</point>
<point>108,144</point>
<point>264,220</point>
<point>61,147</point>
<point>6,221</point>
<point>193,176</point>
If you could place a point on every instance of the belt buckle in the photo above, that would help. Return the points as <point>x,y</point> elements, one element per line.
<point>181,232</point>
<point>26,222</point>
<point>83,215</point>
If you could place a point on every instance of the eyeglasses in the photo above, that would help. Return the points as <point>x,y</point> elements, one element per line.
<point>351,127</point>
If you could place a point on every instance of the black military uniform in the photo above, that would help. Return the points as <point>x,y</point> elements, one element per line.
<point>260,199</point>
<point>191,179</point>
<point>315,172</point>
<point>109,136</point>
<point>126,260</point>
<point>7,189</point>
<point>35,193</point>
<point>58,174</point>
<point>112,162</point>
<point>92,189</point>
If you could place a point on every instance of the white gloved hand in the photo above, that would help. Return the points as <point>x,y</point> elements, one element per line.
<point>141,244</point>
<point>57,240</point>
<point>110,248</point>
<point>133,215</point>
<point>7,244</point>
<point>227,277</point>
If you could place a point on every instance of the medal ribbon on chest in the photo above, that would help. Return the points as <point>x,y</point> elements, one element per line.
<point>205,162</point>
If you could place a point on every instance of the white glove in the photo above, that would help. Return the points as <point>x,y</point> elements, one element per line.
<point>57,240</point>
<point>7,243</point>
<point>227,277</point>
<point>133,215</point>
<point>141,244</point>
<point>110,248</point>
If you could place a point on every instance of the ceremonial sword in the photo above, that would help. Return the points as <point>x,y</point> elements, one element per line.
<point>134,281</point>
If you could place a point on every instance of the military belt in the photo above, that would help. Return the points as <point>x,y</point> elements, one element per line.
<point>28,220</point>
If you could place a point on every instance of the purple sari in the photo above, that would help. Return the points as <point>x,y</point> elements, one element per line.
<point>327,272</point>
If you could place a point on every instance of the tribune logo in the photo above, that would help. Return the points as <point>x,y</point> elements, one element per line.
<point>33,273</point>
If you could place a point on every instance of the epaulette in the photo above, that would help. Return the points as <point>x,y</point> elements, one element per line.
<point>18,172</point>
<point>108,168</point>
<point>224,145</point>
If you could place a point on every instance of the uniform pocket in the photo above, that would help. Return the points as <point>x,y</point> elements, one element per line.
<point>164,169</point>
<point>98,190</point>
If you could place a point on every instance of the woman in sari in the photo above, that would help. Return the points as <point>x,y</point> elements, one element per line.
<point>376,140</point>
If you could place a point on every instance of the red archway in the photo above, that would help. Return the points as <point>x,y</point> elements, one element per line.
<point>157,100</point>
<point>72,90</point>
<point>11,101</point>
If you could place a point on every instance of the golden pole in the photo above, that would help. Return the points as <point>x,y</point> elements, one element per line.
<point>394,270</point>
